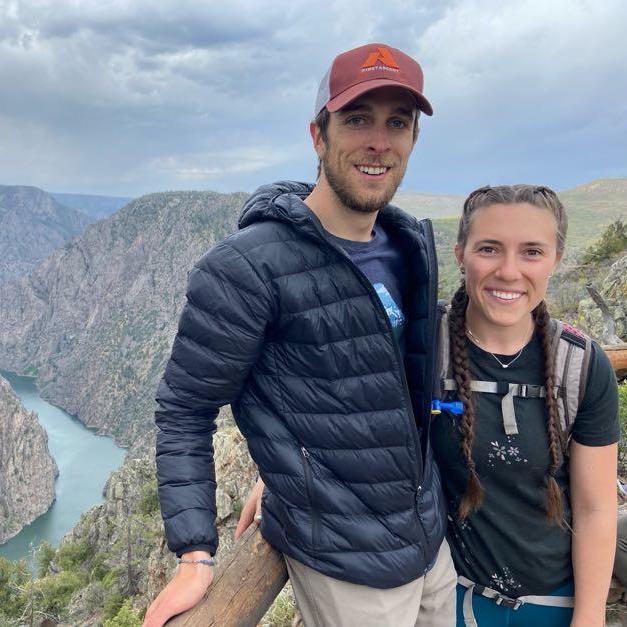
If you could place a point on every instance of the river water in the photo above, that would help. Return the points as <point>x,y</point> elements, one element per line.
<point>85,461</point>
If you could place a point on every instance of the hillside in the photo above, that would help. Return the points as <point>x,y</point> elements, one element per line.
<point>95,321</point>
<point>32,225</point>
<point>432,206</point>
<point>591,208</point>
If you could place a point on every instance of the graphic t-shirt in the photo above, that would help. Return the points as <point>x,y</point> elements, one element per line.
<point>509,545</point>
<point>382,263</point>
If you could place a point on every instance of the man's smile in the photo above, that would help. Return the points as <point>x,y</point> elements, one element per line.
<point>371,170</point>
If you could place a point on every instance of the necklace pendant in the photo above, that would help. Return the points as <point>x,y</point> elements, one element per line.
<point>505,365</point>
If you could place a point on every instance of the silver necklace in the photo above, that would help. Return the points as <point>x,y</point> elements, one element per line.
<point>478,341</point>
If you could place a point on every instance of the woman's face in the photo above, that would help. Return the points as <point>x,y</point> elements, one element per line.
<point>510,252</point>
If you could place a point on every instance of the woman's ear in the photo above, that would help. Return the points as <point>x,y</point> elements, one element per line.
<point>459,255</point>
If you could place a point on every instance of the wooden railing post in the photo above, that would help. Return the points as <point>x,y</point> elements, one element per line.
<point>617,354</point>
<point>244,587</point>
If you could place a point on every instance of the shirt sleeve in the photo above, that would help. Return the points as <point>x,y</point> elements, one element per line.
<point>597,422</point>
<point>220,337</point>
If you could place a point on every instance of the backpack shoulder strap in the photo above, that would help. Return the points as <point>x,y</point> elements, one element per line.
<point>571,357</point>
<point>443,363</point>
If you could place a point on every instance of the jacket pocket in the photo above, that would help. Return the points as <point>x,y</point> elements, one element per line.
<point>315,516</point>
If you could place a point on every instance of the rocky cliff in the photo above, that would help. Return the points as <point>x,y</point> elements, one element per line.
<point>117,549</point>
<point>613,291</point>
<point>95,321</point>
<point>32,225</point>
<point>27,471</point>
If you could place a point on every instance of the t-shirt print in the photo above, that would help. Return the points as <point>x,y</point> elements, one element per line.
<point>393,311</point>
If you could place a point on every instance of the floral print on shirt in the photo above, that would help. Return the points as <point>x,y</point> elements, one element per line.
<point>505,452</point>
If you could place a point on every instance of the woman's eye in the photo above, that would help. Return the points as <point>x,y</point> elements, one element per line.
<point>488,250</point>
<point>534,252</point>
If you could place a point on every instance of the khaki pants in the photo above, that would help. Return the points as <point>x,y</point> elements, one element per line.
<point>426,602</point>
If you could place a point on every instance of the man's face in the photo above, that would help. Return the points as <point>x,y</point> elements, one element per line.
<point>368,145</point>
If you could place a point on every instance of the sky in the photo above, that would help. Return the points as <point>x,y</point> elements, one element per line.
<point>126,97</point>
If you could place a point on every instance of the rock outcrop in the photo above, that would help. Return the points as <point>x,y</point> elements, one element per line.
<point>614,292</point>
<point>32,225</point>
<point>27,470</point>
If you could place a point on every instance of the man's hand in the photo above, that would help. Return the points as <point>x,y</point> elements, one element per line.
<point>184,591</point>
<point>252,509</point>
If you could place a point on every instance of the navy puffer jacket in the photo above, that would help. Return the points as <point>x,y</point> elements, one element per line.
<point>281,324</point>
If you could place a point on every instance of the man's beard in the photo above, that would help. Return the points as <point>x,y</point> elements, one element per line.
<point>349,199</point>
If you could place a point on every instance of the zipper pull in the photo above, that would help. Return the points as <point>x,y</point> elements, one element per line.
<point>305,452</point>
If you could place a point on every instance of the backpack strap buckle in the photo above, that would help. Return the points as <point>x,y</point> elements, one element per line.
<point>513,604</point>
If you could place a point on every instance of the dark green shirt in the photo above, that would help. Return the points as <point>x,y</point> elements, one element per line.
<point>509,545</point>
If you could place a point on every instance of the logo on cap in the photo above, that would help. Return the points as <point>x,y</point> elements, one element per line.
<point>384,56</point>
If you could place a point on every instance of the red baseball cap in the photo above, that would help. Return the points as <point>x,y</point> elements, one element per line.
<point>368,67</point>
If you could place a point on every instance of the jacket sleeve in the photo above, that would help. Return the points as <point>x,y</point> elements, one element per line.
<point>219,338</point>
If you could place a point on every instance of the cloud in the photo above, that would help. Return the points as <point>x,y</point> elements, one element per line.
<point>114,91</point>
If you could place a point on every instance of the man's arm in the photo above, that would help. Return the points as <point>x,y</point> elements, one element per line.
<point>220,336</point>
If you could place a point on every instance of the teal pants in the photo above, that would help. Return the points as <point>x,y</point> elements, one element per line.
<point>489,614</point>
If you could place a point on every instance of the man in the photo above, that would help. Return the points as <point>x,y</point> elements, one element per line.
<point>317,322</point>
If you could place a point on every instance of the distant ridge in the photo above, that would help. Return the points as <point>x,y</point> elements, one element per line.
<point>591,208</point>
<point>32,225</point>
<point>432,206</point>
<point>95,206</point>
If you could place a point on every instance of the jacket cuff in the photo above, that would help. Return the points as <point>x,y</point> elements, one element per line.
<point>196,547</point>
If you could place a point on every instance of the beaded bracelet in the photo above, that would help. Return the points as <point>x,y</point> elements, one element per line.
<point>210,562</point>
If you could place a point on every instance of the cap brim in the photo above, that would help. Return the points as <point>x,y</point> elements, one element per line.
<point>341,100</point>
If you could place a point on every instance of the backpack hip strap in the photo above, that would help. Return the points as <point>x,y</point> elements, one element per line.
<point>501,599</point>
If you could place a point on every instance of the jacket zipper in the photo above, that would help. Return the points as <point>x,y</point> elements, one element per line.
<point>315,518</point>
<point>432,268</point>
<point>413,428</point>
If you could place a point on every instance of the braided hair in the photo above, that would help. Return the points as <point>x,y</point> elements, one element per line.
<point>541,197</point>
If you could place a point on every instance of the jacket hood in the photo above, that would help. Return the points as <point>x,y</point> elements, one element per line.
<point>277,201</point>
<point>284,201</point>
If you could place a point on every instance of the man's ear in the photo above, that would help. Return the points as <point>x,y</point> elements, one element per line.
<point>318,141</point>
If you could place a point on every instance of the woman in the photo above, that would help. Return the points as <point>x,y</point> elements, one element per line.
<point>524,518</point>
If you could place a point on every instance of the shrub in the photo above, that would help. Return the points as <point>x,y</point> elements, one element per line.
<point>74,554</point>
<point>13,576</point>
<point>613,240</point>
<point>149,500</point>
<point>125,617</point>
<point>112,605</point>
<point>99,567</point>
<point>55,591</point>
<point>45,555</point>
